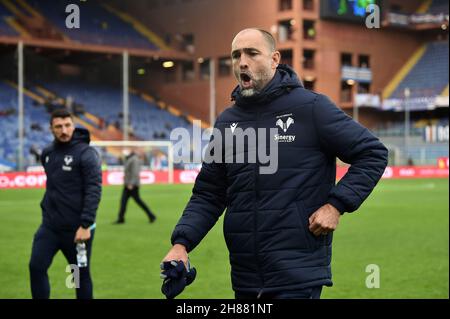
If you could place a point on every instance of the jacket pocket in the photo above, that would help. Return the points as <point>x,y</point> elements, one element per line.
<point>313,241</point>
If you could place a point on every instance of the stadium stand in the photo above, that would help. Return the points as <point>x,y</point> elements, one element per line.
<point>102,113</point>
<point>5,28</point>
<point>35,124</point>
<point>99,26</point>
<point>429,76</point>
<point>438,7</point>
<point>147,120</point>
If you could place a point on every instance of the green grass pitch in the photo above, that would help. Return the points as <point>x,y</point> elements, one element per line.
<point>403,228</point>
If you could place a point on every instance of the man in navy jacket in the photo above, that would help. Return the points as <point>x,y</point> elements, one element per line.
<point>278,227</point>
<point>69,206</point>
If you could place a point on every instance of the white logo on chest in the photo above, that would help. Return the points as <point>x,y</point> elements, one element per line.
<point>68,159</point>
<point>284,126</point>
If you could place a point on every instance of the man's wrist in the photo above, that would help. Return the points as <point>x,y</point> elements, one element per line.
<point>86,225</point>
<point>179,246</point>
<point>182,242</point>
<point>337,204</point>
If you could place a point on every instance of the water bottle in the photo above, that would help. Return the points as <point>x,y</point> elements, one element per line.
<point>81,255</point>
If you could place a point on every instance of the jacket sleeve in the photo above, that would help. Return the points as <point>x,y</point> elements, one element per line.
<point>205,206</point>
<point>92,185</point>
<point>341,136</point>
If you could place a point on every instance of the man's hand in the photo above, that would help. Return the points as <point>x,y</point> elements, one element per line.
<point>82,235</point>
<point>130,187</point>
<point>178,252</point>
<point>324,220</point>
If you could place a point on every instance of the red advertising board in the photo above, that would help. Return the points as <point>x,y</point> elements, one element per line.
<point>38,179</point>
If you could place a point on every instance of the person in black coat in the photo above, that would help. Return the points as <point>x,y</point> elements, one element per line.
<point>280,216</point>
<point>69,206</point>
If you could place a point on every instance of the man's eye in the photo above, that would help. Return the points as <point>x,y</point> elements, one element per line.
<point>236,55</point>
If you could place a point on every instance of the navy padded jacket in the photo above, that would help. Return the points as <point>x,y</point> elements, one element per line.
<point>74,183</point>
<point>266,220</point>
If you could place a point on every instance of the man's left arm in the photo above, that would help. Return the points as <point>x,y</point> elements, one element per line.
<point>355,145</point>
<point>351,142</point>
<point>92,188</point>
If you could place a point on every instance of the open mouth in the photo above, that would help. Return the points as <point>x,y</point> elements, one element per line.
<point>246,80</point>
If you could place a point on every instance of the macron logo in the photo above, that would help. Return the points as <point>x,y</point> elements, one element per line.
<point>233,127</point>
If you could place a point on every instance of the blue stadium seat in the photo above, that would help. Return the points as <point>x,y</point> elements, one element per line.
<point>97,25</point>
<point>5,29</point>
<point>429,77</point>
<point>438,7</point>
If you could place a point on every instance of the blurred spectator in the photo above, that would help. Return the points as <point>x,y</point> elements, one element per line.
<point>36,127</point>
<point>36,152</point>
<point>7,112</point>
<point>78,109</point>
<point>101,123</point>
<point>69,103</point>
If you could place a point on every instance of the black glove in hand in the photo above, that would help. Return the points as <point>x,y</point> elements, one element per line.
<point>176,277</point>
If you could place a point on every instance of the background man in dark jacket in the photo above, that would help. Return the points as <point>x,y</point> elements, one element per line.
<point>278,228</point>
<point>132,181</point>
<point>69,206</point>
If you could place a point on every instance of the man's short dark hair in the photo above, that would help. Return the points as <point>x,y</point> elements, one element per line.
<point>60,113</point>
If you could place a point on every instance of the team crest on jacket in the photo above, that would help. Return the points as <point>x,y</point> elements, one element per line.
<point>284,125</point>
<point>68,159</point>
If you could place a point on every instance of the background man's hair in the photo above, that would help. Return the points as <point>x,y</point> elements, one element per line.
<point>60,113</point>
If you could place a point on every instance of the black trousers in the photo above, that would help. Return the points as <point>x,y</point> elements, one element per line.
<point>134,193</point>
<point>46,244</point>
<point>306,293</point>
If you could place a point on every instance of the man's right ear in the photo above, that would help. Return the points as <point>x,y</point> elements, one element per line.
<point>276,58</point>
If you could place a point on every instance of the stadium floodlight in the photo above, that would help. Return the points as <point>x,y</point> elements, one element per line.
<point>147,146</point>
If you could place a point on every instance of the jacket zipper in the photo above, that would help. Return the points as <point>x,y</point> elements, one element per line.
<point>261,277</point>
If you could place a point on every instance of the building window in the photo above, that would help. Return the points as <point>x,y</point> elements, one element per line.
<point>364,61</point>
<point>204,68</point>
<point>170,74</point>
<point>225,66</point>
<point>285,5</point>
<point>309,30</point>
<point>308,59</point>
<point>363,88</point>
<point>346,90</point>
<point>309,84</point>
<point>188,71</point>
<point>286,57</point>
<point>187,43</point>
<point>346,59</point>
<point>285,30</point>
<point>395,8</point>
<point>308,5</point>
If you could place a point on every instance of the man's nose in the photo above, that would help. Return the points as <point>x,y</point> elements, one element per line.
<point>243,62</point>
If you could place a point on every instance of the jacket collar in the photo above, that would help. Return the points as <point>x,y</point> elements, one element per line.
<point>284,80</point>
